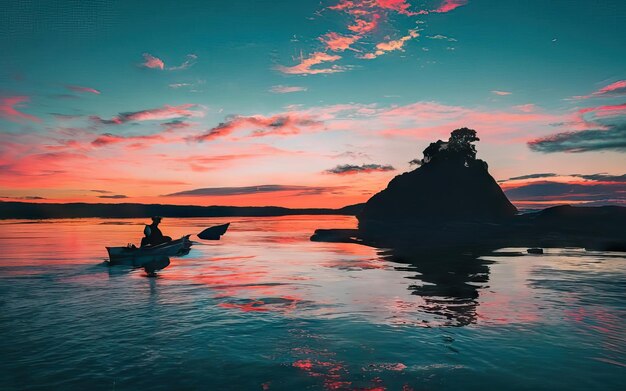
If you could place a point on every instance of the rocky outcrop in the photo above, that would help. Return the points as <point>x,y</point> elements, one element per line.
<point>450,185</point>
<point>451,204</point>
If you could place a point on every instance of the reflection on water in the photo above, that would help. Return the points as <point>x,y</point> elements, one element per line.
<point>265,308</point>
<point>447,282</point>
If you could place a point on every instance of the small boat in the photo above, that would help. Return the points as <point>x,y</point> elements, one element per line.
<point>214,233</point>
<point>140,256</point>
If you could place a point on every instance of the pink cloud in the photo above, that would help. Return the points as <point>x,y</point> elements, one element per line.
<point>394,128</point>
<point>108,139</point>
<point>344,5</point>
<point>306,64</point>
<point>152,62</point>
<point>8,109</point>
<point>606,109</point>
<point>614,89</point>
<point>48,169</point>
<point>390,46</point>
<point>281,124</point>
<point>366,15</point>
<point>449,5</point>
<point>163,113</point>
<point>156,63</point>
<point>362,26</point>
<point>240,155</point>
<point>83,89</point>
<point>400,6</point>
<point>337,42</point>
<point>617,87</point>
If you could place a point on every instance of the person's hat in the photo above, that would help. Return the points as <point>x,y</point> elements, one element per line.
<point>156,218</point>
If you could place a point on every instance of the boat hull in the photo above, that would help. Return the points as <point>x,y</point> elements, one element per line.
<point>141,256</point>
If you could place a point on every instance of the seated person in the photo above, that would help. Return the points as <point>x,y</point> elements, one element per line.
<point>153,234</point>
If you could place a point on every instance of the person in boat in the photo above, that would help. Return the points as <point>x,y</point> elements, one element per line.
<point>153,234</point>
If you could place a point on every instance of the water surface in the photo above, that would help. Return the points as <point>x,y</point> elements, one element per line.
<point>266,309</point>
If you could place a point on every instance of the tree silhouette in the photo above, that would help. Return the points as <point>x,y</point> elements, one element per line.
<point>458,148</point>
<point>460,144</point>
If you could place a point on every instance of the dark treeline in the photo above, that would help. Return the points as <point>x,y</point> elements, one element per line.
<point>26,210</point>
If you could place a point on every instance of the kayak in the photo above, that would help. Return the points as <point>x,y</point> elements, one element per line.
<point>214,233</point>
<point>141,256</point>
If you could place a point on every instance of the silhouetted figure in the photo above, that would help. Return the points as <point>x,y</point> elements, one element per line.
<point>153,234</point>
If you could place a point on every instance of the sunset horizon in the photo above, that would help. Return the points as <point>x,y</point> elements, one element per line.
<point>333,195</point>
<point>320,110</point>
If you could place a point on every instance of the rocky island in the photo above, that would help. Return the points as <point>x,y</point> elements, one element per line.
<point>450,201</point>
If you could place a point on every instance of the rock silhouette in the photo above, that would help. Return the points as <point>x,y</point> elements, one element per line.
<point>451,202</point>
<point>450,185</point>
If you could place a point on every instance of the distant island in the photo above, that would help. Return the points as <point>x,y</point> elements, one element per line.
<point>452,202</point>
<point>31,210</point>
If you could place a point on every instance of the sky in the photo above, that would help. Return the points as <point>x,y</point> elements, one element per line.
<point>307,103</point>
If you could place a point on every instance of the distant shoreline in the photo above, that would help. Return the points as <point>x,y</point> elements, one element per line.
<point>31,210</point>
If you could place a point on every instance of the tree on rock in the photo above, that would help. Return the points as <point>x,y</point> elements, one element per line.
<point>460,144</point>
<point>451,184</point>
<point>458,148</point>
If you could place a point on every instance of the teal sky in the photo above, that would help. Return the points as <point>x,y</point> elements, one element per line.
<point>518,72</point>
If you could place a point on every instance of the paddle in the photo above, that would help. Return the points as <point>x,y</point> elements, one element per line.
<point>214,232</point>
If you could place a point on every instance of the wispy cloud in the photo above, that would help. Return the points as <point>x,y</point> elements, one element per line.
<point>549,192</point>
<point>113,196</point>
<point>282,124</point>
<point>602,177</point>
<point>163,113</point>
<point>108,139</point>
<point>352,155</point>
<point>246,190</point>
<point>9,109</point>
<point>241,155</point>
<point>449,5</point>
<point>527,108</point>
<point>599,177</point>
<point>82,89</point>
<point>603,128</point>
<point>532,176</point>
<point>189,86</point>
<point>179,85</point>
<point>23,198</point>
<point>280,89</point>
<point>614,89</point>
<point>350,169</point>
<point>441,37</point>
<point>150,61</point>
<point>190,60</point>
<point>390,46</point>
<point>305,67</point>
<point>613,138</point>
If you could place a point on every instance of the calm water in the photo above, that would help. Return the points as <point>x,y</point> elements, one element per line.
<point>266,309</point>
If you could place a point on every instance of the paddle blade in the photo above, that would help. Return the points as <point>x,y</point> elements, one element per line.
<point>214,233</point>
